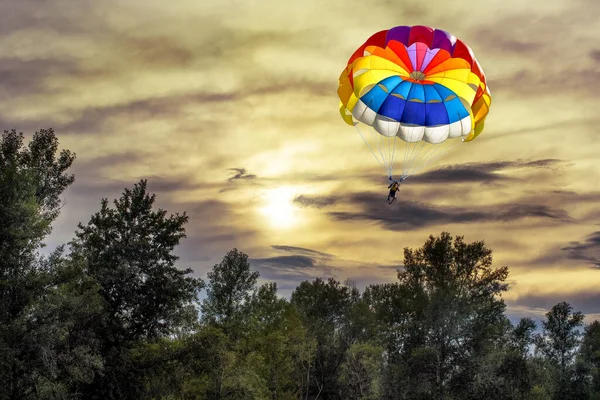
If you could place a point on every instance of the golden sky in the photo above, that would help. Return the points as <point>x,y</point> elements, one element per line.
<point>229,108</point>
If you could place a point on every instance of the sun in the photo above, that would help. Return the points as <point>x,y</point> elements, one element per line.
<point>279,209</point>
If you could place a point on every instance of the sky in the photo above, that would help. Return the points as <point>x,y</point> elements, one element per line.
<point>229,109</point>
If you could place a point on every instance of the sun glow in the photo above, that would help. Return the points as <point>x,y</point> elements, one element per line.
<point>279,208</point>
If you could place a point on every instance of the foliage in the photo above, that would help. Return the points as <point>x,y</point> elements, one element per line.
<point>114,317</point>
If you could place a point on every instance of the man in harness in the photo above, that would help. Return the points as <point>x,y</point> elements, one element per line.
<point>394,187</point>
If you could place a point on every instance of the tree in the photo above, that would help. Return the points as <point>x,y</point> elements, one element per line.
<point>506,372</point>
<point>459,315</point>
<point>278,338</point>
<point>128,251</point>
<point>590,354</point>
<point>326,308</point>
<point>225,313</point>
<point>32,180</point>
<point>229,288</point>
<point>361,371</point>
<point>559,341</point>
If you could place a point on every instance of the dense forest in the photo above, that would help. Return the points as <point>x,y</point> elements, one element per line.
<point>110,316</point>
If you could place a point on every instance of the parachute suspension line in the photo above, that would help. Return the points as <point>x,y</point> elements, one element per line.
<point>377,143</point>
<point>385,152</point>
<point>414,163</point>
<point>439,155</point>
<point>409,148</point>
<point>393,155</point>
<point>413,157</point>
<point>369,146</point>
<point>390,154</point>
<point>438,151</point>
<point>435,155</point>
<point>382,149</point>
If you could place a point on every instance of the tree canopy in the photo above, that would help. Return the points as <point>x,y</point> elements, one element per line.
<point>111,315</point>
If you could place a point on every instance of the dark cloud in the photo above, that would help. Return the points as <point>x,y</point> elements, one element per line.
<point>586,302</point>
<point>409,215</point>
<point>91,182</point>
<point>64,17</point>
<point>21,77</point>
<point>300,250</point>
<point>587,250</point>
<point>298,264</point>
<point>485,172</point>
<point>160,51</point>
<point>480,172</point>
<point>595,55</point>
<point>292,268</point>
<point>241,174</point>
<point>93,120</point>
<point>122,159</point>
<point>315,201</point>
<point>291,262</point>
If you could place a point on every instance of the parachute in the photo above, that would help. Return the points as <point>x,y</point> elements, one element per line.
<point>419,92</point>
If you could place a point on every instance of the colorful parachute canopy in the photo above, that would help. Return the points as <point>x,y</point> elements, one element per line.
<point>416,83</point>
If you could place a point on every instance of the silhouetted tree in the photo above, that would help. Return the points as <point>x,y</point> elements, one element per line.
<point>32,179</point>
<point>326,308</point>
<point>590,354</point>
<point>128,251</point>
<point>230,285</point>
<point>453,317</point>
<point>559,341</point>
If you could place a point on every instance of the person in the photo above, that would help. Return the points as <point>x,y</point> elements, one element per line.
<point>394,187</point>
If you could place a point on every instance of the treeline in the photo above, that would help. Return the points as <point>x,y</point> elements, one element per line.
<point>110,316</point>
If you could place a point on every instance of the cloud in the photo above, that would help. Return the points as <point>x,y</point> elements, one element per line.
<point>295,268</point>
<point>241,175</point>
<point>301,250</point>
<point>297,264</point>
<point>410,215</point>
<point>481,172</point>
<point>92,183</point>
<point>23,77</point>
<point>315,201</point>
<point>61,16</point>
<point>586,302</point>
<point>528,83</point>
<point>587,250</point>
<point>595,55</point>
<point>498,41</point>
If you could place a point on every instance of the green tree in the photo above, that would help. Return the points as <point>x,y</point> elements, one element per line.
<point>32,179</point>
<point>326,308</point>
<point>559,341</point>
<point>360,373</point>
<point>504,372</point>
<point>279,339</point>
<point>226,314</point>
<point>459,315</point>
<point>128,252</point>
<point>230,284</point>
<point>590,354</point>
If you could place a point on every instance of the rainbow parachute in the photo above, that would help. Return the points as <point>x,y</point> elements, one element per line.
<point>418,84</point>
